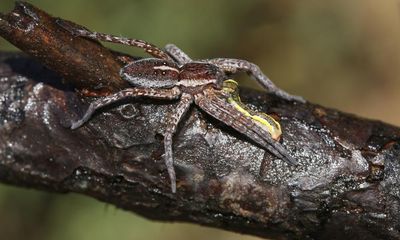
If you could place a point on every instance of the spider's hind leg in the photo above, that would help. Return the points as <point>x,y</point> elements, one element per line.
<point>168,94</point>
<point>230,65</point>
<point>80,31</point>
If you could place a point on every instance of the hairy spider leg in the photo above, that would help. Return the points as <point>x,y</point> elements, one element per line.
<point>172,124</point>
<point>83,32</point>
<point>230,116</point>
<point>262,134</point>
<point>227,114</point>
<point>238,122</point>
<point>177,54</point>
<point>167,94</point>
<point>231,65</point>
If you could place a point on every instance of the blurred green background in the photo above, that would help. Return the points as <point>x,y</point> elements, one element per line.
<point>342,54</point>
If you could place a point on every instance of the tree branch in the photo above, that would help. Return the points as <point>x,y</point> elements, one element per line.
<point>95,68</point>
<point>346,186</point>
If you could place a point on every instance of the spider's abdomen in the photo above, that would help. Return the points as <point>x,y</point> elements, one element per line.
<point>198,73</point>
<point>151,73</point>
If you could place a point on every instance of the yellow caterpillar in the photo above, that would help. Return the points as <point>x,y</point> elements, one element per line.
<point>230,86</point>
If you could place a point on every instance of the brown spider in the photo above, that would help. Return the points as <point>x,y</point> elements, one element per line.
<point>173,75</point>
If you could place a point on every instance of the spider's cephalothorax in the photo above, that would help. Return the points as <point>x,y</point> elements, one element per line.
<point>171,74</point>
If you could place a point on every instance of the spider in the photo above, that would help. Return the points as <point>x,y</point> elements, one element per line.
<point>173,75</point>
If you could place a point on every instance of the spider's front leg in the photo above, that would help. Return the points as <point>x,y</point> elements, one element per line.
<point>226,113</point>
<point>238,65</point>
<point>80,31</point>
<point>172,124</point>
<point>167,94</point>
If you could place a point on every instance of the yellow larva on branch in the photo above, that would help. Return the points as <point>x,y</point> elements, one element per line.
<point>230,86</point>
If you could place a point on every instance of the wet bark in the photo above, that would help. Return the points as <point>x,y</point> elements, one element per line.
<point>347,184</point>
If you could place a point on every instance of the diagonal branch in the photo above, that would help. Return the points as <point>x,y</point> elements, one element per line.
<point>347,184</point>
<point>84,63</point>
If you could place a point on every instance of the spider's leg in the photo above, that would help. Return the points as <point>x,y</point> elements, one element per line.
<point>83,32</point>
<point>231,65</point>
<point>172,124</point>
<point>227,114</point>
<point>245,125</point>
<point>168,94</point>
<point>177,54</point>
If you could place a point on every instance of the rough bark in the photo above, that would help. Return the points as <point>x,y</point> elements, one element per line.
<point>86,64</point>
<point>346,186</point>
